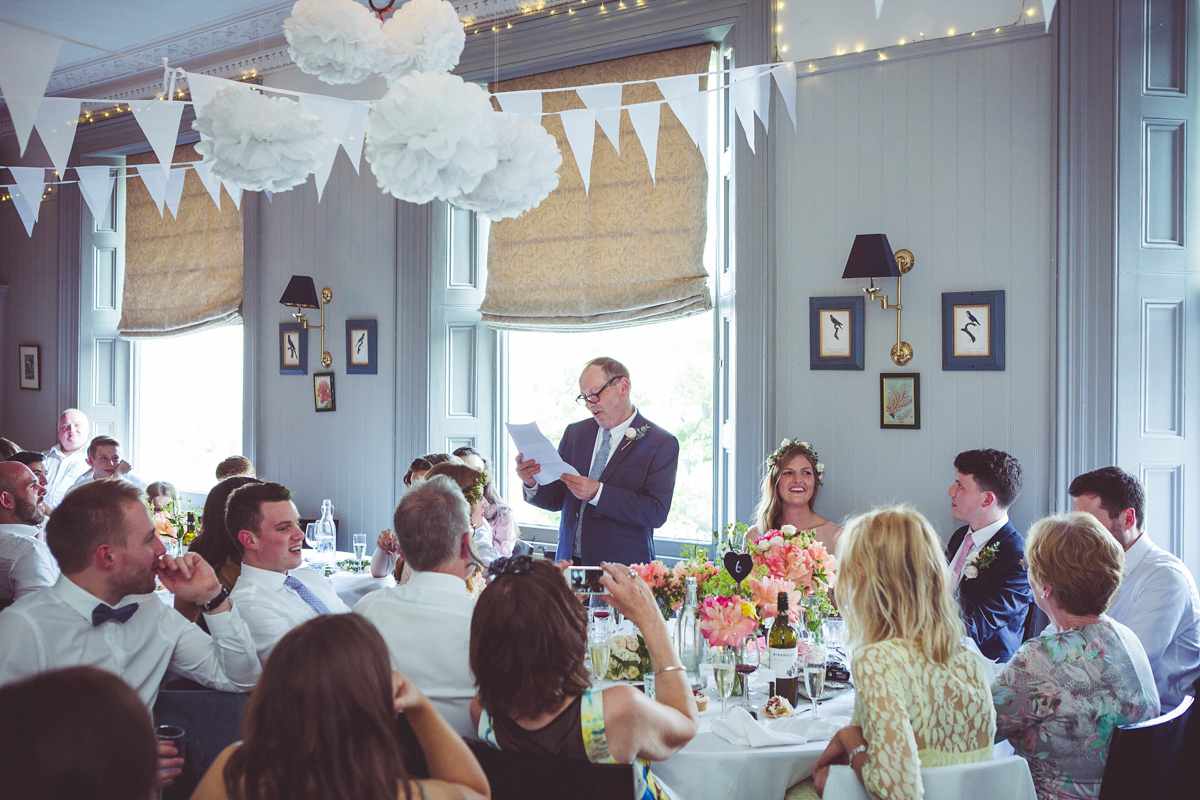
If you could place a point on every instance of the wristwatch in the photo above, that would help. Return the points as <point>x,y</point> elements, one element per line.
<point>216,601</point>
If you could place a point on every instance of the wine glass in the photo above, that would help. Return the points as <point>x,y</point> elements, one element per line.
<point>173,735</point>
<point>722,659</point>
<point>600,612</point>
<point>598,651</point>
<point>747,663</point>
<point>814,671</point>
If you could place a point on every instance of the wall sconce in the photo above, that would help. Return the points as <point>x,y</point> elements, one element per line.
<point>872,257</point>
<point>301,292</point>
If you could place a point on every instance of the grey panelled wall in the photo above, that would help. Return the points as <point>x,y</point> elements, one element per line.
<point>952,155</point>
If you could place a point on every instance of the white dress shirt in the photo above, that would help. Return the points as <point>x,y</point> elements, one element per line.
<point>617,432</point>
<point>25,562</point>
<point>271,609</point>
<point>979,540</point>
<point>127,475</point>
<point>62,470</point>
<point>52,629</point>
<point>427,626</point>
<point>1158,602</point>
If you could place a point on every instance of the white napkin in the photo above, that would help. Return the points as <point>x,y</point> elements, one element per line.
<point>738,727</point>
<point>813,730</point>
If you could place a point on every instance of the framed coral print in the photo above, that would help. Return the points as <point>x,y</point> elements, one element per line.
<point>835,328</point>
<point>293,349</point>
<point>973,330</point>
<point>900,400</point>
<point>324,398</point>
<point>29,359</point>
<point>362,347</point>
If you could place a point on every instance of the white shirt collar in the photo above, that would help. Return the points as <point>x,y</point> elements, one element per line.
<point>76,597</point>
<point>984,535</point>
<point>20,529</point>
<point>1136,552</point>
<point>266,578</point>
<point>439,581</point>
<point>619,429</point>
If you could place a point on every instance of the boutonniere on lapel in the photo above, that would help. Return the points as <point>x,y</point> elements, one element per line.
<point>633,434</point>
<point>982,560</point>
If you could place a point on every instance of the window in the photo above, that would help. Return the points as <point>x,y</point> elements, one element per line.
<point>187,406</point>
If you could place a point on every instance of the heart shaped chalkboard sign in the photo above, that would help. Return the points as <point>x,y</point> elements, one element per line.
<point>738,565</point>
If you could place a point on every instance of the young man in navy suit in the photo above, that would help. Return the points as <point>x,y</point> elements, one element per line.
<point>986,554</point>
<point>626,474</point>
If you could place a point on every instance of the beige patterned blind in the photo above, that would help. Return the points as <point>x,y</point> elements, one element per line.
<point>181,274</point>
<point>628,252</point>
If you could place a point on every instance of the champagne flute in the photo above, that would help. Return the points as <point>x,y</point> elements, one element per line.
<point>814,672</point>
<point>360,547</point>
<point>599,651</point>
<point>722,659</point>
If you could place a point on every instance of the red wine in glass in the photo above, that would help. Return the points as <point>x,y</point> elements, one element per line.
<point>744,671</point>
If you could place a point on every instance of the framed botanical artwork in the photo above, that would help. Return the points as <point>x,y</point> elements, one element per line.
<point>973,330</point>
<point>29,360</point>
<point>293,349</point>
<point>324,398</point>
<point>900,400</point>
<point>835,328</point>
<point>362,347</point>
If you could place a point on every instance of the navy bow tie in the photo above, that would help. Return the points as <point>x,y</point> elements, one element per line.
<point>103,613</point>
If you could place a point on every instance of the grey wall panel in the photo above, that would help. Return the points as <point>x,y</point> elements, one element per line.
<point>104,372</point>
<point>1162,183</point>
<point>1165,505</point>
<point>951,155</point>
<point>1165,47</point>
<point>461,367</point>
<point>1162,367</point>
<point>104,279</point>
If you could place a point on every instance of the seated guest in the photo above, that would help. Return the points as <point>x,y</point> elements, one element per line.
<point>37,465</point>
<point>921,699</point>
<point>1157,599</point>
<point>534,692</point>
<point>25,561</point>
<point>789,488</point>
<point>320,724</point>
<point>1061,695</point>
<point>161,494</point>
<point>67,460</point>
<point>216,544</point>
<point>75,733</point>
<point>473,484</point>
<point>426,622</point>
<point>235,467</point>
<point>272,592</point>
<point>386,557</point>
<point>985,554</point>
<point>496,515</point>
<point>101,611</point>
<point>104,458</point>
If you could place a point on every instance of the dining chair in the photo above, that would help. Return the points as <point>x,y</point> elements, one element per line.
<point>211,721</point>
<point>1143,757</point>
<point>997,779</point>
<point>1187,775</point>
<point>520,776</point>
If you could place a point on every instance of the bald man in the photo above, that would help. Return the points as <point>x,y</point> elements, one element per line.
<point>67,460</point>
<point>25,562</point>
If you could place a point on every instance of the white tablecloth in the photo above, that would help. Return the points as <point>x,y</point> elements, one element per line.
<point>351,586</point>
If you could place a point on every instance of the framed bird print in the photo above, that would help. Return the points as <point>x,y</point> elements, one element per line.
<point>362,347</point>
<point>835,327</point>
<point>293,349</point>
<point>973,331</point>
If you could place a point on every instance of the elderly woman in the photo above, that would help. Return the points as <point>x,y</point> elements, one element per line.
<point>922,698</point>
<point>1061,695</point>
<point>534,692</point>
<point>789,488</point>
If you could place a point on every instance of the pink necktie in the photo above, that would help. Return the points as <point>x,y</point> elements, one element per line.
<point>961,561</point>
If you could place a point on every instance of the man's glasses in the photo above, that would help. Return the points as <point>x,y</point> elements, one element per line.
<point>584,399</point>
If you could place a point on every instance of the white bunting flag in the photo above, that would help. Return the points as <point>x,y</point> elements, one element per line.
<point>526,104</point>
<point>785,81</point>
<point>28,215</point>
<point>211,182</point>
<point>356,126</point>
<point>1048,11</point>
<point>580,126</point>
<point>175,181</point>
<point>605,100</point>
<point>25,70</point>
<point>160,122</point>
<point>645,118</point>
<point>235,194</point>
<point>56,123</point>
<point>31,181</point>
<point>155,181</point>
<point>333,112</point>
<point>203,87</point>
<point>744,88</point>
<point>682,93</point>
<point>270,196</point>
<point>878,8</point>
<point>96,185</point>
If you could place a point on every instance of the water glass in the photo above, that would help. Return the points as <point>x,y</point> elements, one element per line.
<point>813,661</point>
<point>174,735</point>
<point>648,684</point>
<point>360,546</point>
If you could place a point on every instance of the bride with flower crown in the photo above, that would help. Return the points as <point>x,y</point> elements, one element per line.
<point>789,488</point>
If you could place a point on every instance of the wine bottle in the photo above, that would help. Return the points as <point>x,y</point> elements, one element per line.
<point>189,532</point>
<point>781,642</point>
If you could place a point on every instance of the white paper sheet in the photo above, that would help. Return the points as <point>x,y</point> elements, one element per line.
<point>532,443</point>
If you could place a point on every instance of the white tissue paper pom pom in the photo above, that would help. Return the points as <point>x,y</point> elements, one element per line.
<point>431,136</point>
<point>336,40</point>
<point>422,36</point>
<point>257,142</point>
<point>526,173</point>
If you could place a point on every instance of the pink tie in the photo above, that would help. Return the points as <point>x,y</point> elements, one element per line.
<point>961,561</point>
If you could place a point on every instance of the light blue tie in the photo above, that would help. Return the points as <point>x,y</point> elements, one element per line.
<point>598,465</point>
<point>305,595</point>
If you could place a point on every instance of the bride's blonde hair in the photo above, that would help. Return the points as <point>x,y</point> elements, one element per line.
<point>893,582</point>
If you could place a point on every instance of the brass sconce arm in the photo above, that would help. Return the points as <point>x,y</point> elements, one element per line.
<point>902,351</point>
<point>326,297</point>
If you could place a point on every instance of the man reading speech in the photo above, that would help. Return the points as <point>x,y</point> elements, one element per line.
<point>630,465</point>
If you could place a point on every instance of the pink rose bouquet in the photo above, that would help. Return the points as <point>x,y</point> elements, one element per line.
<point>727,620</point>
<point>764,593</point>
<point>795,556</point>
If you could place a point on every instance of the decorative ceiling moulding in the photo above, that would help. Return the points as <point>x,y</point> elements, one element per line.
<point>481,13</point>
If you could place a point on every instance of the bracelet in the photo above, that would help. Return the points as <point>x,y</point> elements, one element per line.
<point>669,669</point>
<point>862,748</point>
<point>216,601</point>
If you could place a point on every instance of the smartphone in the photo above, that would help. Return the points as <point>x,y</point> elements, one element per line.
<point>585,580</point>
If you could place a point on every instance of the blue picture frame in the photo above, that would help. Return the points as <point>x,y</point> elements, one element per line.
<point>973,331</point>
<point>362,347</point>
<point>835,332</point>
<point>293,349</point>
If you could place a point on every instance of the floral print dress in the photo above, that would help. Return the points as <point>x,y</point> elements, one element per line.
<point>1061,695</point>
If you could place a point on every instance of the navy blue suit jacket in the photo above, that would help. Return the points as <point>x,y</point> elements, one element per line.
<point>995,604</point>
<point>639,482</point>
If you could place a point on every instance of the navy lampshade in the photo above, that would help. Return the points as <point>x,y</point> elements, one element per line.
<point>301,292</point>
<point>870,257</point>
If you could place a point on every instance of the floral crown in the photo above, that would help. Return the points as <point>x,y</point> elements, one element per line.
<point>805,449</point>
<point>474,493</point>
